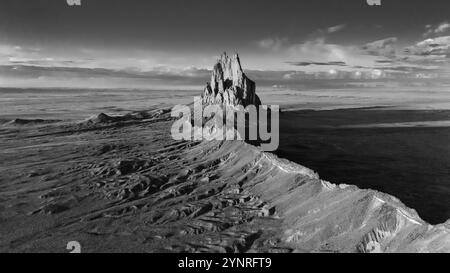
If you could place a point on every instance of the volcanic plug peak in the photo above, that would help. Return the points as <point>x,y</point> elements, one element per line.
<point>229,85</point>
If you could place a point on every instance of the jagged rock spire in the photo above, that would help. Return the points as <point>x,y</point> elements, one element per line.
<point>229,85</point>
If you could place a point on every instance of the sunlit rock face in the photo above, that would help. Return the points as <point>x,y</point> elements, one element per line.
<point>229,85</point>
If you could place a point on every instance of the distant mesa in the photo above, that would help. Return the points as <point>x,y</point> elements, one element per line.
<point>19,121</point>
<point>103,118</point>
<point>229,85</point>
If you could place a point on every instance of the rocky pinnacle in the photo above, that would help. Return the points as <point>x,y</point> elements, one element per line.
<point>229,85</point>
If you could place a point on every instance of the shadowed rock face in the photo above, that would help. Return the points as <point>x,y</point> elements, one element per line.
<point>229,85</point>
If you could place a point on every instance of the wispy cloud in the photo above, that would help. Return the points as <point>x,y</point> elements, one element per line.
<point>273,43</point>
<point>384,47</point>
<point>439,46</point>
<point>336,28</point>
<point>442,27</point>
<point>320,50</point>
<point>338,63</point>
<point>160,73</point>
<point>316,57</point>
<point>384,58</point>
<point>437,29</point>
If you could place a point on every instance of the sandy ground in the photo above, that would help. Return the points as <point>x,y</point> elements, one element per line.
<point>124,185</point>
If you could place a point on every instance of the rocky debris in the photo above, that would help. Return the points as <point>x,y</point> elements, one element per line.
<point>229,85</point>
<point>135,187</point>
<point>129,166</point>
<point>159,112</point>
<point>120,167</point>
<point>53,208</point>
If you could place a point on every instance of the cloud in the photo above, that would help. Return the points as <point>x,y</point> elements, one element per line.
<point>336,28</point>
<point>338,63</point>
<point>320,50</point>
<point>308,54</point>
<point>384,61</point>
<point>410,68</point>
<point>384,47</point>
<point>336,74</point>
<point>272,43</point>
<point>56,76</point>
<point>425,59</point>
<point>438,29</point>
<point>442,27</point>
<point>374,60</point>
<point>21,55</point>
<point>312,59</point>
<point>437,47</point>
<point>383,58</point>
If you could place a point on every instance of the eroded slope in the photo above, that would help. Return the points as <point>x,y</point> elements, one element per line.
<point>123,184</point>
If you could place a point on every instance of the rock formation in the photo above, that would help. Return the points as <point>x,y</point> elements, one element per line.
<point>134,185</point>
<point>229,85</point>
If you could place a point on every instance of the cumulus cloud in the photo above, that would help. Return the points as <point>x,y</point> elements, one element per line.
<point>375,60</point>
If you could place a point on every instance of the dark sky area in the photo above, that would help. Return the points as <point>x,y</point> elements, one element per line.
<point>330,38</point>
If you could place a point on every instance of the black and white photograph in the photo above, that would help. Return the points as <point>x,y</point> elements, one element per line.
<point>251,127</point>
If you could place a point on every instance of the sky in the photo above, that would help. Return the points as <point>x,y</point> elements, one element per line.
<point>143,44</point>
